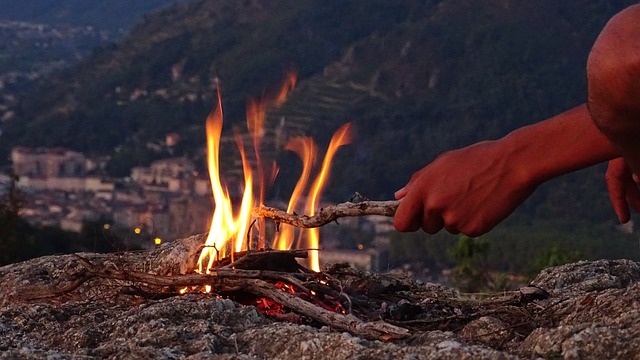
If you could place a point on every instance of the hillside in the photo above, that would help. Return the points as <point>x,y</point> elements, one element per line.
<point>41,37</point>
<point>416,78</point>
<point>116,16</point>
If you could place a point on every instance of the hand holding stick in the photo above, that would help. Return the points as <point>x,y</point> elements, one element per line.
<point>329,213</point>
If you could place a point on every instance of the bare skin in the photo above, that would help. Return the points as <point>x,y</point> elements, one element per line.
<point>471,190</point>
<point>613,73</point>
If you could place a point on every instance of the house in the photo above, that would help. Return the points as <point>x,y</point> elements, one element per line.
<point>47,162</point>
<point>165,173</point>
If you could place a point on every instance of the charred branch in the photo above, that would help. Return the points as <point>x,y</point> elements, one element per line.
<point>375,330</point>
<point>277,260</point>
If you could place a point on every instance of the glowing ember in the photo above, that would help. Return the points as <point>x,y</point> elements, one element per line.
<point>229,232</point>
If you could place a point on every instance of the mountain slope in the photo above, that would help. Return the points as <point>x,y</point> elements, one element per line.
<point>41,37</point>
<point>105,15</point>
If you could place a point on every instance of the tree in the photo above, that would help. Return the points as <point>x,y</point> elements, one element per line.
<point>10,222</point>
<point>470,272</point>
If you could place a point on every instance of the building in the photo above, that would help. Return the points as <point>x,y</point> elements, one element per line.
<point>69,184</point>
<point>164,173</point>
<point>48,162</point>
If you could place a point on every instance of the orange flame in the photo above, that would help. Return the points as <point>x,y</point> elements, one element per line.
<point>228,233</point>
<point>306,149</point>
<point>287,86</point>
<point>224,226</point>
<point>341,137</point>
<point>256,115</point>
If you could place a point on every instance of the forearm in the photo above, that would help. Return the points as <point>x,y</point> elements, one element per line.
<point>559,145</point>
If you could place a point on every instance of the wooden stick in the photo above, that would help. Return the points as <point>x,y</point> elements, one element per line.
<point>215,278</point>
<point>329,213</point>
<point>281,260</point>
<point>375,330</point>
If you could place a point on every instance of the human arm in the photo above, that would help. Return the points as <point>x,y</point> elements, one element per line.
<point>471,190</point>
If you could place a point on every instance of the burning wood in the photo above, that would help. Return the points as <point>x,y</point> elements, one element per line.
<point>106,317</point>
<point>321,304</point>
<point>371,306</point>
<point>328,214</point>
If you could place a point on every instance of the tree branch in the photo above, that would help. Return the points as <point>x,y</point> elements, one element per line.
<point>374,330</point>
<point>329,213</point>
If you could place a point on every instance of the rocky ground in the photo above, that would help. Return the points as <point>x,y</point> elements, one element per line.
<point>592,311</point>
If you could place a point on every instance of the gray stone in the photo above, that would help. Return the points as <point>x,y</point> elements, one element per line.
<point>593,311</point>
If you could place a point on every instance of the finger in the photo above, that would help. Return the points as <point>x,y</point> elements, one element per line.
<point>405,190</point>
<point>633,195</point>
<point>449,223</point>
<point>432,222</point>
<point>618,198</point>
<point>452,229</point>
<point>617,189</point>
<point>408,214</point>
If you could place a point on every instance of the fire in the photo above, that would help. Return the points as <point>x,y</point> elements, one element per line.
<point>340,138</point>
<point>306,149</point>
<point>224,226</point>
<point>229,232</point>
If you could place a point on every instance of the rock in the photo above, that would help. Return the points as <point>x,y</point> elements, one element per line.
<point>486,330</point>
<point>592,310</point>
<point>589,276</point>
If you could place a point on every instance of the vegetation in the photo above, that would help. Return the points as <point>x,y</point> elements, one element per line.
<point>554,255</point>
<point>470,255</point>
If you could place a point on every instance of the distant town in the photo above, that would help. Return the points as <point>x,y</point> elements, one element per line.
<point>62,188</point>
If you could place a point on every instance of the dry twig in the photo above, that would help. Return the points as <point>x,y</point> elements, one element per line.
<point>329,213</point>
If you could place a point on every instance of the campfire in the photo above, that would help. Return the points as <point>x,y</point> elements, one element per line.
<point>237,243</point>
